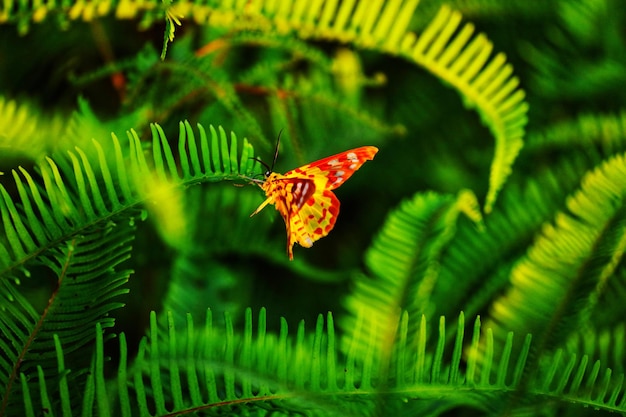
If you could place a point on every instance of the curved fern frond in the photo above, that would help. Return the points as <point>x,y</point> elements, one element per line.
<point>561,277</point>
<point>445,48</point>
<point>484,84</point>
<point>403,261</point>
<point>476,265</point>
<point>88,285</point>
<point>218,369</point>
<point>71,223</point>
<point>26,132</point>
<point>106,184</point>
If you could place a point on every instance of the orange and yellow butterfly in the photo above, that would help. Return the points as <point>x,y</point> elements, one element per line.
<point>304,197</point>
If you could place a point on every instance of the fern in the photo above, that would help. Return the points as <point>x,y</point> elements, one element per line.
<point>59,216</point>
<point>484,83</point>
<point>88,286</point>
<point>27,133</point>
<point>75,219</point>
<point>214,369</point>
<point>559,280</point>
<point>403,261</point>
<point>604,131</point>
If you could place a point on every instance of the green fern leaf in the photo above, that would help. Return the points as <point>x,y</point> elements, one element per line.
<point>214,369</point>
<point>606,345</point>
<point>88,286</point>
<point>445,48</point>
<point>404,263</point>
<point>559,280</point>
<point>476,265</point>
<point>74,222</point>
<point>586,131</point>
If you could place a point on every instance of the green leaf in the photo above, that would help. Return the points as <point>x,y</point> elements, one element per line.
<point>404,264</point>
<point>554,287</point>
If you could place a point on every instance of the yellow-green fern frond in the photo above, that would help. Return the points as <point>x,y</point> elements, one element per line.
<point>558,282</point>
<point>445,48</point>
<point>27,133</point>
<point>404,266</point>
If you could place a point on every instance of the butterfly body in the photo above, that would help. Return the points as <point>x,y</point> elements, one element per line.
<point>304,197</point>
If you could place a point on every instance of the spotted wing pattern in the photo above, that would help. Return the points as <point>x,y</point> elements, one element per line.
<point>304,197</point>
<point>337,168</point>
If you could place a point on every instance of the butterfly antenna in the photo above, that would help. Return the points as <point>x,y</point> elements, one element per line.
<point>262,163</point>
<point>276,150</point>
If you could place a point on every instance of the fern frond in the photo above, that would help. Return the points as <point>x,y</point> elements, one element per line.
<point>26,133</point>
<point>607,345</point>
<point>475,267</point>
<point>605,131</point>
<point>576,378</point>
<point>559,280</point>
<point>218,369</point>
<point>72,222</point>
<point>403,261</point>
<point>484,84</point>
<point>445,48</point>
<point>107,185</point>
<point>88,286</point>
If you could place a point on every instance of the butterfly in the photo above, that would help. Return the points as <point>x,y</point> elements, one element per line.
<point>304,196</point>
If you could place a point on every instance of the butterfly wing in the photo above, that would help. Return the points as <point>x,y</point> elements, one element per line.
<point>304,197</point>
<point>290,195</point>
<point>319,214</point>
<point>335,169</point>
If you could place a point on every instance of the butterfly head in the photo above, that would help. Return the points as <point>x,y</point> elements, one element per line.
<point>268,169</point>
<point>264,175</point>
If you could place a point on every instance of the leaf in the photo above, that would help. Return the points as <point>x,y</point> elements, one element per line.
<point>88,287</point>
<point>73,222</point>
<point>557,283</point>
<point>404,263</point>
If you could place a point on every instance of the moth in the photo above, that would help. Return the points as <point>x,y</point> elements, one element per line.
<point>304,196</point>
